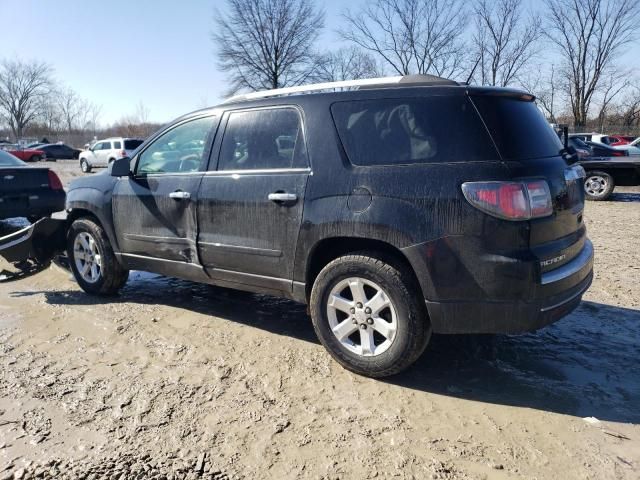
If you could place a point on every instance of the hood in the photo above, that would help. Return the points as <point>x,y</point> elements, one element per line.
<point>102,181</point>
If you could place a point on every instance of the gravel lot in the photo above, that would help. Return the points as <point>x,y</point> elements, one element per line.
<point>178,380</point>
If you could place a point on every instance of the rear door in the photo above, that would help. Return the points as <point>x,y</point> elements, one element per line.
<point>250,207</point>
<point>154,211</point>
<point>531,149</point>
<point>96,157</point>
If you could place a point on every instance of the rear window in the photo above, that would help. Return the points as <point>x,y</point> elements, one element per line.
<point>117,145</point>
<point>132,144</point>
<point>518,128</point>
<point>404,131</point>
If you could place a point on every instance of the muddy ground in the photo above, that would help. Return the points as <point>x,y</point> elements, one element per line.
<point>178,380</point>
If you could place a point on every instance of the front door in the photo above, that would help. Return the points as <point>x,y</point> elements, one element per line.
<point>154,210</point>
<point>250,208</point>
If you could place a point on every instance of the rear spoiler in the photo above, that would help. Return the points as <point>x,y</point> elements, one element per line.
<point>32,248</point>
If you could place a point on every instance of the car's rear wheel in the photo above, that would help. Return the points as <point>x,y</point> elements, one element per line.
<point>369,314</point>
<point>35,158</point>
<point>84,166</point>
<point>598,185</point>
<point>92,260</point>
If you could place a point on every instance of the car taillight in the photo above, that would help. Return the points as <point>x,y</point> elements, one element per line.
<point>510,200</point>
<point>54,181</point>
<point>123,153</point>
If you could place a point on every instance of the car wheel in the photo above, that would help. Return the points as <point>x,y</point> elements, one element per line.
<point>35,158</point>
<point>111,160</point>
<point>598,185</point>
<point>92,260</point>
<point>369,314</point>
<point>84,166</point>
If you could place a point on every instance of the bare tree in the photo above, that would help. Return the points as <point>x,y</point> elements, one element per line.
<point>504,41</point>
<point>49,115</point>
<point>629,109</point>
<point>72,108</point>
<point>266,44</point>
<point>411,36</point>
<point>590,36</point>
<point>94,112</point>
<point>547,88</point>
<point>613,83</point>
<point>23,86</point>
<point>347,63</point>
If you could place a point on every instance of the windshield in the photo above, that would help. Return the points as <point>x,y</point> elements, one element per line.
<point>518,128</point>
<point>8,160</point>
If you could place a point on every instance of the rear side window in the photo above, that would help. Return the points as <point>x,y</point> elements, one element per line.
<point>412,130</point>
<point>518,128</point>
<point>132,144</point>
<point>117,145</point>
<point>263,139</point>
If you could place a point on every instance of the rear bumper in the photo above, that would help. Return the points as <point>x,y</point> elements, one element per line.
<point>561,289</point>
<point>40,241</point>
<point>39,203</point>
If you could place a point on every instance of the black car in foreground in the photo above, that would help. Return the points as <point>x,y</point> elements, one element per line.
<point>28,191</point>
<point>60,151</point>
<point>356,202</point>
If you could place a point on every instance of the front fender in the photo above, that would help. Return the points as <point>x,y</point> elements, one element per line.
<point>97,203</point>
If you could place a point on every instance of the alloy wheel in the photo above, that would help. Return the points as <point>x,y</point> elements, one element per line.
<point>362,316</point>
<point>87,258</point>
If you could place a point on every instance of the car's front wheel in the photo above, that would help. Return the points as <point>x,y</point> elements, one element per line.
<point>598,185</point>
<point>369,314</point>
<point>92,260</point>
<point>84,166</point>
<point>35,158</point>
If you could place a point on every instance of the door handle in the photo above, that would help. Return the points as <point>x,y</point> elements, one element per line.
<point>282,197</point>
<point>180,195</point>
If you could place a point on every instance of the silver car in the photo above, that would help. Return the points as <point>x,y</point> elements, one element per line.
<point>103,152</point>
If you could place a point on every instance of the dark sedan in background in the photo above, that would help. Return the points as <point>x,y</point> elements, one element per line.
<point>60,151</point>
<point>25,191</point>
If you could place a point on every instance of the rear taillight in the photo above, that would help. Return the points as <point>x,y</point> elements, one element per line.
<point>54,181</point>
<point>510,200</point>
<point>123,153</point>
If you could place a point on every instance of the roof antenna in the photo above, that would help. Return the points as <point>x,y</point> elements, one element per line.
<point>473,70</point>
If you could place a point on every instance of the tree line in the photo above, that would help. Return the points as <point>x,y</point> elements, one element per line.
<point>33,104</point>
<point>568,52</point>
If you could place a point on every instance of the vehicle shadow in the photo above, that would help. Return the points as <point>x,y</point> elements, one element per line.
<point>584,365</point>
<point>624,197</point>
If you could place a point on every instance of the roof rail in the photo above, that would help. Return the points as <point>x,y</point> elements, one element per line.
<point>344,84</point>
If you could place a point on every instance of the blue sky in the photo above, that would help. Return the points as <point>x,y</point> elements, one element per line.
<point>117,53</point>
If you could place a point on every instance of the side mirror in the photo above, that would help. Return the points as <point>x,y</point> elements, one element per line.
<point>121,167</point>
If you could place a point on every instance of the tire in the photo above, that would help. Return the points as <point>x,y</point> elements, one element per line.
<point>85,239</point>
<point>111,160</point>
<point>84,166</point>
<point>35,158</point>
<point>407,326</point>
<point>598,186</point>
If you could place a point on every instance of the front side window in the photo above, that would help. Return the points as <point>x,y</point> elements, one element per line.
<point>179,150</point>
<point>402,131</point>
<point>262,139</point>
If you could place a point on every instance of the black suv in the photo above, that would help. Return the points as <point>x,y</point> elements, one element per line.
<point>399,208</point>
